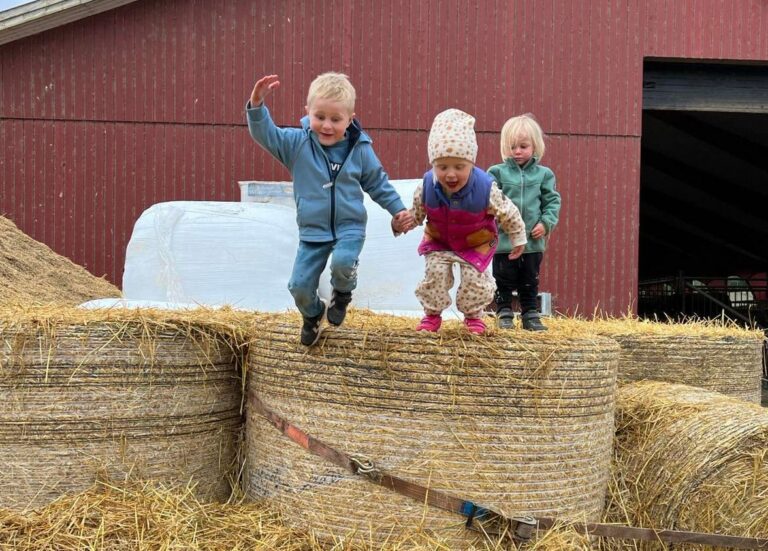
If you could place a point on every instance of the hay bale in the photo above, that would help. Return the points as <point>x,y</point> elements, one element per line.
<point>689,459</point>
<point>519,422</point>
<point>150,517</point>
<point>712,356</point>
<point>32,273</point>
<point>125,394</point>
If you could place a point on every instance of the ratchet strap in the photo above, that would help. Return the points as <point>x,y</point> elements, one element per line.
<point>483,519</point>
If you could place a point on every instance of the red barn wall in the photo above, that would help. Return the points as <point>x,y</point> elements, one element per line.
<point>106,116</point>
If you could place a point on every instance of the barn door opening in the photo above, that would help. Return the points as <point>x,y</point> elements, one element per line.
<point>704,191</point>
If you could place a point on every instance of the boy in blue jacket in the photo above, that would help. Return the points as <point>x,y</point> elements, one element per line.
<point>332,163</point>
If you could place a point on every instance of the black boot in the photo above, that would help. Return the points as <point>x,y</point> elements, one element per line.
<point>337,311</point>
<point>532,321</point>
<point>312,327</point>
<point>506,318</point>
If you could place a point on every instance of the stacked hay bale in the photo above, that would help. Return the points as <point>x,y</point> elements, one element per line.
<point>689,459</point>
<point>722,358</point>
<point>120,394</point>
<point>31,273</point>
<point>518,422</point>
<point>147,517</point>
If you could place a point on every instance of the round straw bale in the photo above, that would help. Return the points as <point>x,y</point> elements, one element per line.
<point>138,397</point>
<point>146,516</point>
<point>722,358</point>
<point>515,421</point>
<point>689,459</point>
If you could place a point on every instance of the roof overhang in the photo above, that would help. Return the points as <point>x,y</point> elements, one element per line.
<point>42,15</point>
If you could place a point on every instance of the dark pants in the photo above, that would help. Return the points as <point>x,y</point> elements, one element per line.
<point>521,275</point>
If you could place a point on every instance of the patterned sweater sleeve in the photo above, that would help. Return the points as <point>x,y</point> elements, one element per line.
<point>418,205</point>
<point>507,216</point>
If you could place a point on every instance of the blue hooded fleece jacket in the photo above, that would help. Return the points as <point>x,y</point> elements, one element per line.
<point>326,209</point>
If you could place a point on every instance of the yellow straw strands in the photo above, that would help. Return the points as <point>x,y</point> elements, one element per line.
<point>518,422</point>
<point>722,358</point>
<point>32,273</point>
<point>85,394</point>
<point>145,517</point>
<point>689,459</point>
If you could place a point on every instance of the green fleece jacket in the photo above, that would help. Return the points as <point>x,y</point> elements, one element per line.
<point>531,188</point>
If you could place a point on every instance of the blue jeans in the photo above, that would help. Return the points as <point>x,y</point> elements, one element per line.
<point>310,262</point>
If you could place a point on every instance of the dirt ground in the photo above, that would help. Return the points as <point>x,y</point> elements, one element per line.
<point>32,273</point>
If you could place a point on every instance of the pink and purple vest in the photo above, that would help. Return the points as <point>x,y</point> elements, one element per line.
<point>460,223</point>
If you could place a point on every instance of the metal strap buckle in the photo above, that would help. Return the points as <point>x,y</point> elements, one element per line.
<point>517,529</point>
<point>364,466</point>
<point>523,528</point>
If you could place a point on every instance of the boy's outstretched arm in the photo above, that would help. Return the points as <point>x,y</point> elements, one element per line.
<point>262,88</point>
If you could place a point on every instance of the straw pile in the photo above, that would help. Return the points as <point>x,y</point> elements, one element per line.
<point>123,394</point>
<point>708,355</point>
<point>148,517</point>
<point>689,459</point>
<point>31,273</point>
<point>519,422</point>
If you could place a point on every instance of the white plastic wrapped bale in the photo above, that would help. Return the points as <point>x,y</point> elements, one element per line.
<point>135,304</point>
<point>212,253</point>
<point>241,254</point>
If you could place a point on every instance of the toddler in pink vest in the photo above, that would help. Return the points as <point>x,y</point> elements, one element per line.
<point>462,205</point>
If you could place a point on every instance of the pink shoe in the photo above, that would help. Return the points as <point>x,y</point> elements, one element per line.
<point>475,325</point>
<point>430,323</point>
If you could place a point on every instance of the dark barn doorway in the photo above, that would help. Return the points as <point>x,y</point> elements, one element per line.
<point>704,192</point>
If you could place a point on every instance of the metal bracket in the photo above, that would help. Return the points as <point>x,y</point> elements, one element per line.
<point>365,467</point>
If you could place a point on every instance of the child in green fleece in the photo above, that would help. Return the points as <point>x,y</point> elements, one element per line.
<point>531,187</point>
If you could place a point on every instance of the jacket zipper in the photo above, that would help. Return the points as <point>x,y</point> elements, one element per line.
<point>332,184</point>
<point>522,193</point>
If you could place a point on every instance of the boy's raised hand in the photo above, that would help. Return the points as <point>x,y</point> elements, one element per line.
<point>516,252</point>
<point>262,88</point>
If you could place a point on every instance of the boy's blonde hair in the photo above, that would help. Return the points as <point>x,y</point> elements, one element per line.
<point>332,86</point>
<point>518,127</point>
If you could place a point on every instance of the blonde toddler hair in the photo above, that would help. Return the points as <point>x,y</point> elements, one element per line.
<point>519,127</point>
<point>332,86</point>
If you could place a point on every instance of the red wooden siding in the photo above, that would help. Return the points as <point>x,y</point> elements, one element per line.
<point>712,29</point>
<point>106,116</point>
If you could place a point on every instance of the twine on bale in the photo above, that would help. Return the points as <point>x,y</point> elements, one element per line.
<point>129,394</point>
<point>522,424</point>
<point>720,357</point>
<point>689,459</point>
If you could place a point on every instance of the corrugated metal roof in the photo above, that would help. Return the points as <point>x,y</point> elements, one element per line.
<point>41,15</point>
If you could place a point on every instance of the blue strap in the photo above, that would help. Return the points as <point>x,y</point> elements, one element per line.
<point>472,511</point>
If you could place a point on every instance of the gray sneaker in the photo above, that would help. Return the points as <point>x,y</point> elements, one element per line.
<point>532,321</point>
<point>506,318</point>
<point>337,311</point>
<point>313,327</point>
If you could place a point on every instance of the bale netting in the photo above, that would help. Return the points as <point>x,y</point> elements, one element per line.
<point>86,394</point>
<point>689,459</point>
<point>708,355</point>
<point>518,422</point>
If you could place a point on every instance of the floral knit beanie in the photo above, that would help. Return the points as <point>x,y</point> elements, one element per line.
<point>452,135</point>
